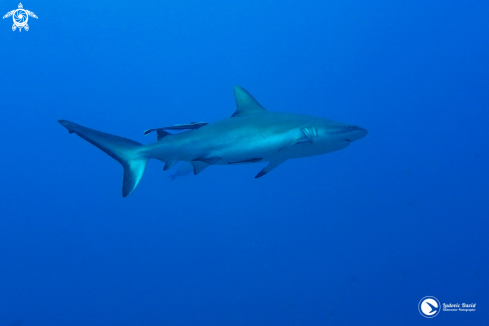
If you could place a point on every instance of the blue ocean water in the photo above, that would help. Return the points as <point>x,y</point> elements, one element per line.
<point>355,237</point>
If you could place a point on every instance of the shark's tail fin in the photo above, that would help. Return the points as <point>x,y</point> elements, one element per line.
<point>125,151</point>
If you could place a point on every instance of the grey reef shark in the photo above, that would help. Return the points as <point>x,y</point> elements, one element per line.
<point>251,135</point>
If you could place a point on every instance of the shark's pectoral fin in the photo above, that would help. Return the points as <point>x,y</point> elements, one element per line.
<point>201,163</point>
<point>272,165</point>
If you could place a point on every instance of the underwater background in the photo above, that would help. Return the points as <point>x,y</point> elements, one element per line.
<point>355,237</point>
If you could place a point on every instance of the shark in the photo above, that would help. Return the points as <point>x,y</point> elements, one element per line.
<point>251,135</point>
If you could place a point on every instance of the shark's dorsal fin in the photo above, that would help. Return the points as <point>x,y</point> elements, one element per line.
<point>245,103</point>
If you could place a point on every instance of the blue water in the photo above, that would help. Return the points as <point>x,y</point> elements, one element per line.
<point>355,237</point>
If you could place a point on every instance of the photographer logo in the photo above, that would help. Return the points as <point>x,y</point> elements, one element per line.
<point>429,307</point>
<point>20,17</point>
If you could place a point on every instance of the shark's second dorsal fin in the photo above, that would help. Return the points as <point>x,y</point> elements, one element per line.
<point>245,103</point>
<point>160,132</point>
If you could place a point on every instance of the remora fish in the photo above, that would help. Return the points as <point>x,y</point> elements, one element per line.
<point>251,135</point>
<point>184,169</point>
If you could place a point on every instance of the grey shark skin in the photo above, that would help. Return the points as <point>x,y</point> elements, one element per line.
<point>251,135</point>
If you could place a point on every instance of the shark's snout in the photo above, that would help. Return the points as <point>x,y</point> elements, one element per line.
<point>353,133</point>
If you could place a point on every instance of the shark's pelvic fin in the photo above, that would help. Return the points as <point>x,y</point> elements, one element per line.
<point>272,165</point>
<point>198,166</point>
<point>245,103</point>
<point>169,165</point>
<point>125,151</point>
<point>201,163</point>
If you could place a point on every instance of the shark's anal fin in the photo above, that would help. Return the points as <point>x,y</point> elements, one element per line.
<point>245,103</point>
<point>200,164</point>
<point>272,165</point>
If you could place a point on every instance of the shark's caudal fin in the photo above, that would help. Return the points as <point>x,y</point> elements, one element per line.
<point>125,151</point>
